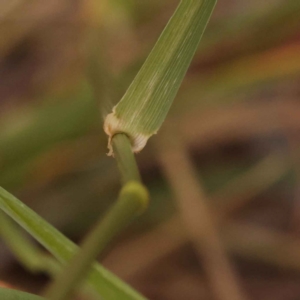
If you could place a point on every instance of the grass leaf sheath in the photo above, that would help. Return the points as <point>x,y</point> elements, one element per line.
<point>147,101</point>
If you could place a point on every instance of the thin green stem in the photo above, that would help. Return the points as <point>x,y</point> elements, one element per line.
<point>101,280</point>
<point>132,201</point>
<point>27,253</point>
<point>125,158</point>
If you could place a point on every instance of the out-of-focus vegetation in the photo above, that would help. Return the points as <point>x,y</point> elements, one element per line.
<point>236,121</point>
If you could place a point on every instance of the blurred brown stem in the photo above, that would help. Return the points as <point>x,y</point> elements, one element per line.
<point>251,242</point>
<point>198,220</point>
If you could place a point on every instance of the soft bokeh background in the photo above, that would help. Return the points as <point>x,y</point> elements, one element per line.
<point>237,113</point>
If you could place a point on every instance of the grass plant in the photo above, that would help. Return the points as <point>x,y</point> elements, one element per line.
<point>134,119</point>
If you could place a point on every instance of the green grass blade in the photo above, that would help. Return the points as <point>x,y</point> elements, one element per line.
<point>105,283</point>
<point>9,294</point>
<point>29,255</point>
<point>132,202</point>
<point>147,101</point>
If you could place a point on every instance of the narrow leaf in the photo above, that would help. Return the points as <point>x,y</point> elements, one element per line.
<point>105,283</point>
<point>147,101</point>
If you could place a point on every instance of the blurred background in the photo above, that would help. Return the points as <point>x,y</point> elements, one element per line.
<point>224,170</point>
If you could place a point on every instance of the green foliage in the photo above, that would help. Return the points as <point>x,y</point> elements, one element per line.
<point>138,115</point>
<point>9,294</point>
<point>147,101</point>
<point>101,280</point>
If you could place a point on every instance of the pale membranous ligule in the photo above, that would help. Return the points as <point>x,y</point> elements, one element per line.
<point>114,125</point>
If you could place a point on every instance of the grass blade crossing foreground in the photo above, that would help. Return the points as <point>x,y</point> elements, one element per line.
<point>132,202</point>
<point>146,103</point>
<point>105,283</point>
<point>9,294</point>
